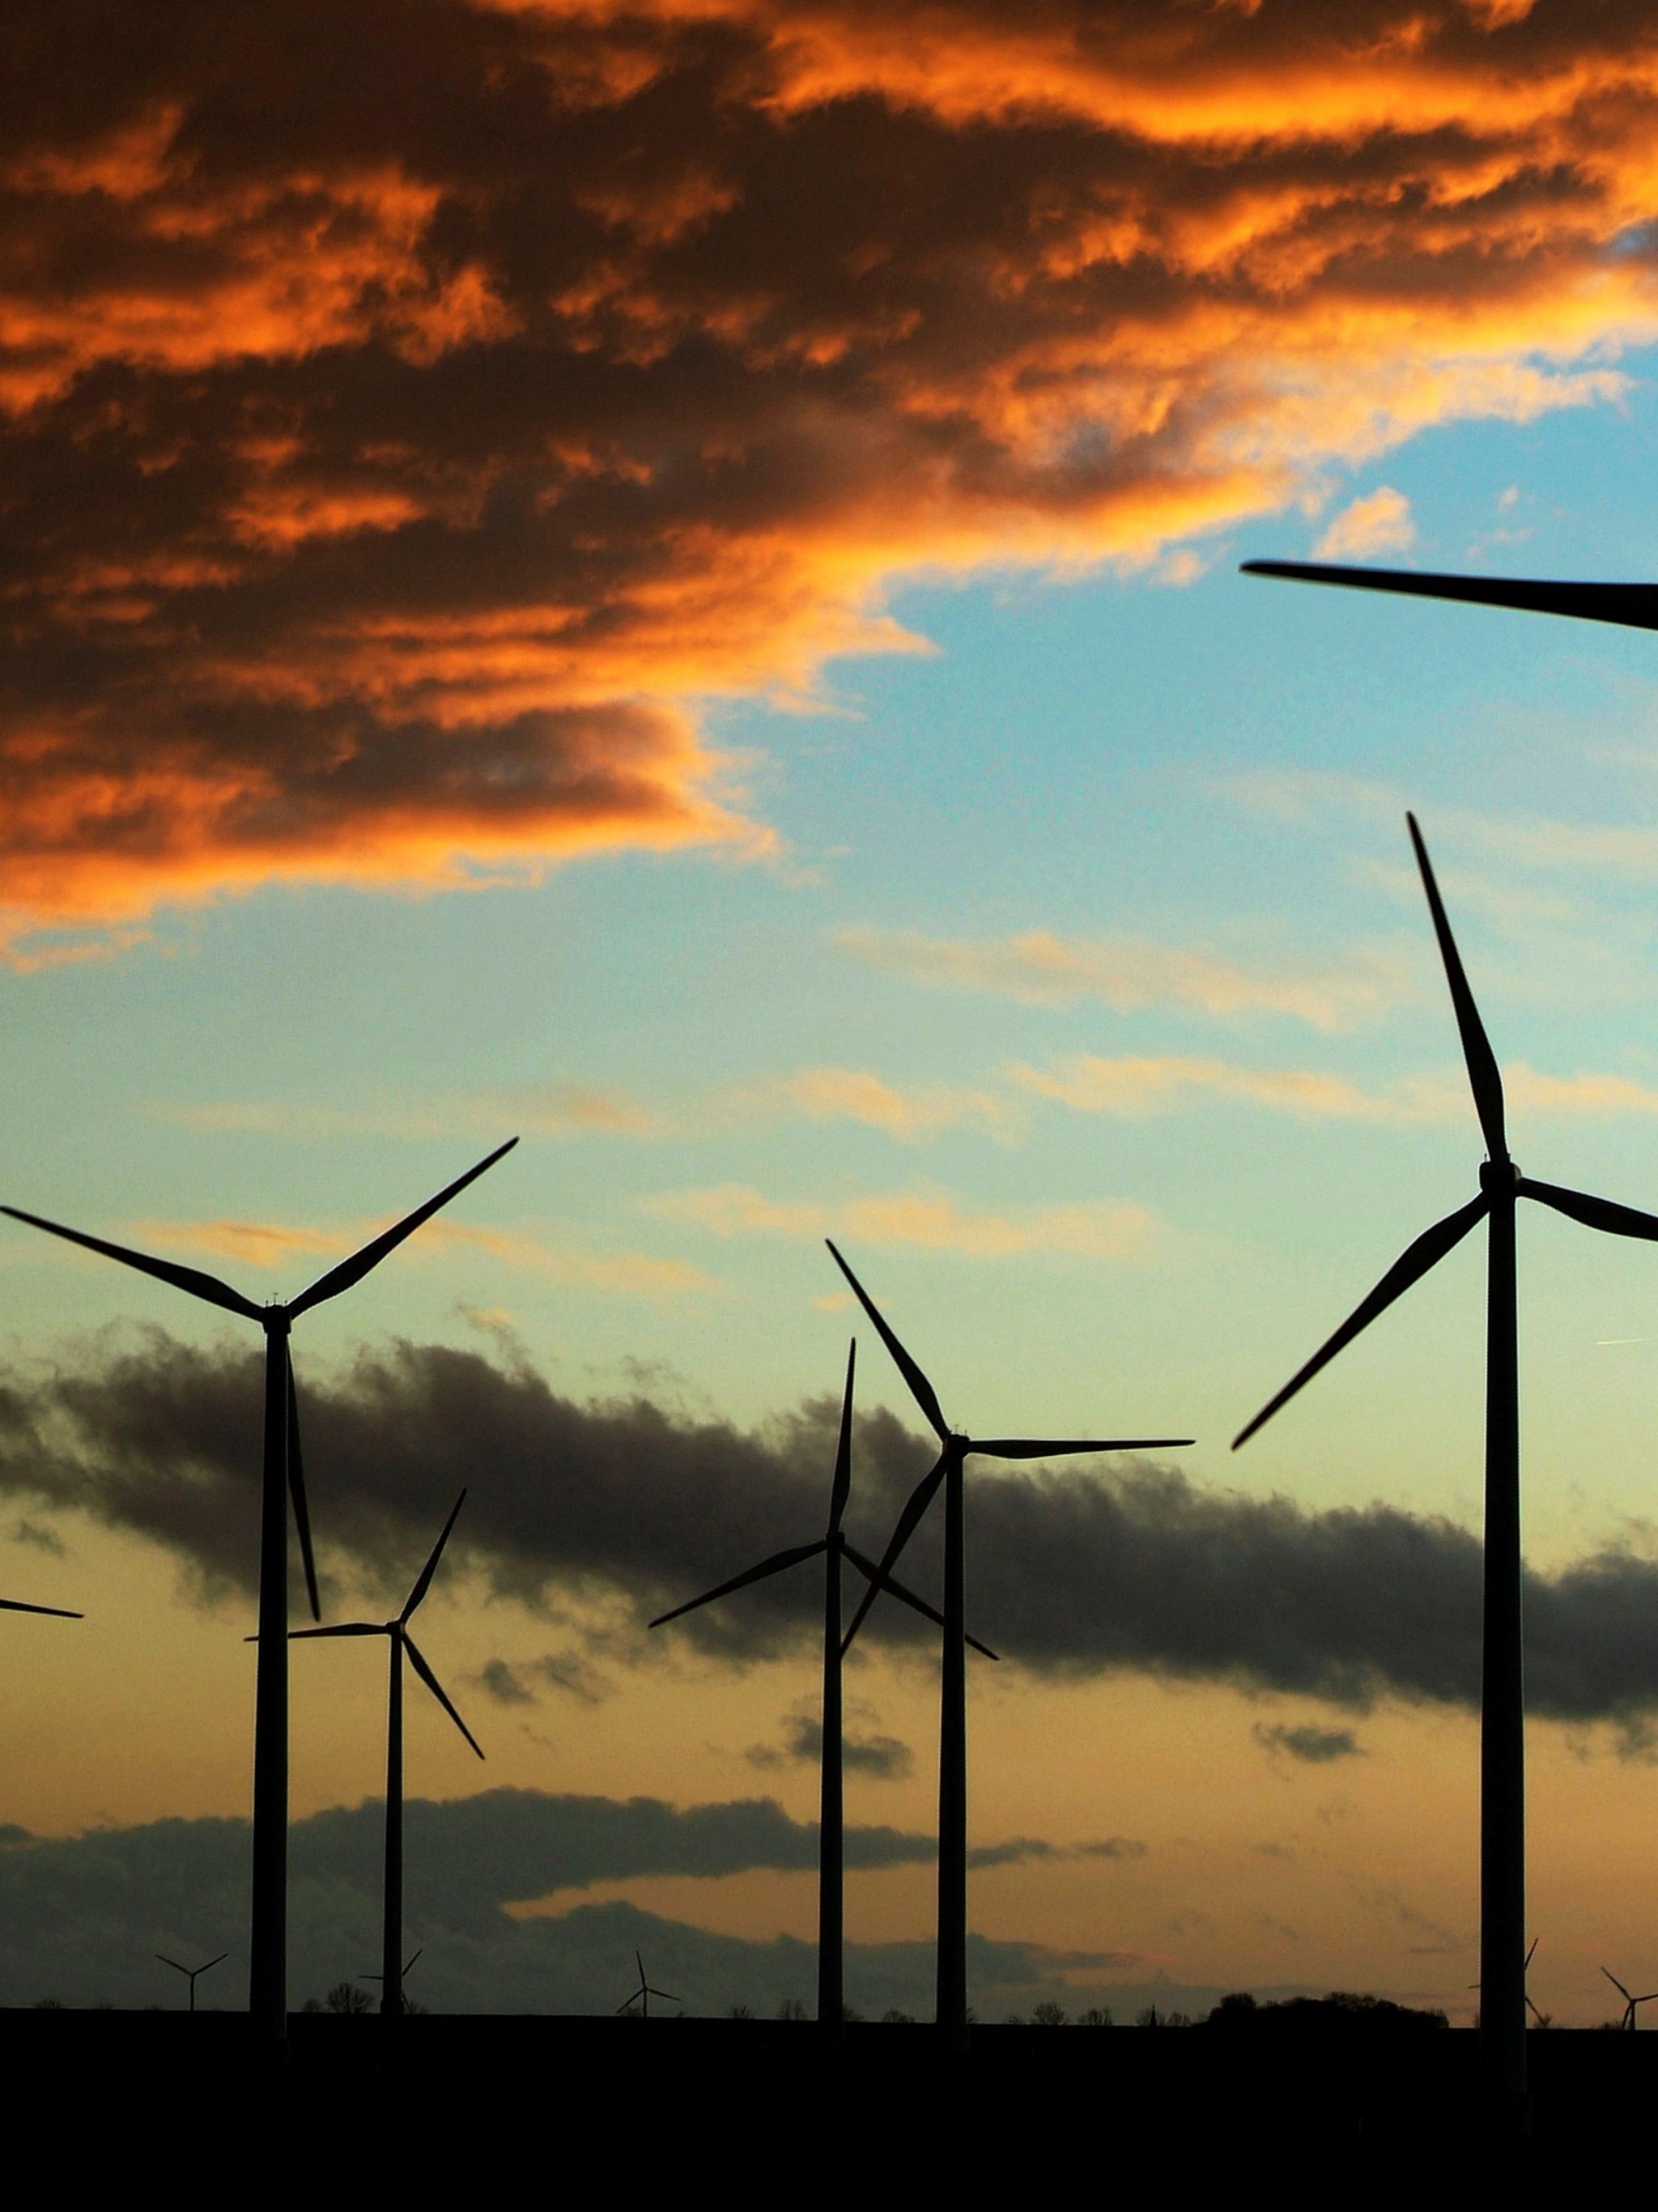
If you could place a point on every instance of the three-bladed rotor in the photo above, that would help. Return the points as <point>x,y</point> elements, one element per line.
<point>642,1995</point>
<point>840,1491</point>
<point>954,1446</point>
<point>277,1318</point>
<point>1501,1180</point>
<point>397,1628</point>
<point>1630,2002</point>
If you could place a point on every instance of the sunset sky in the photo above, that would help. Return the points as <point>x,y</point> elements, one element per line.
<point>665,578</point>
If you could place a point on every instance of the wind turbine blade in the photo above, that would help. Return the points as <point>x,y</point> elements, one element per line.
<point>423,1581</point>
<point>871,1573</point>
<point>438,1691</point>
<point>1633,606</point>
<point>1592,1213</point>
<point>1484,1078</point>
<point>16,1605</point>
<point>919,1499</point>
<point>774,1565</point>
<point>1429,1249</point>
<point>842,1489</point>
<point>408,1963</point>
<point>343,1628</point>
<point>211,1963</point>
<point>1645,1999</point>
<point>199,1284</point>
<point>1532,1954</point>
<point>1047,1448</point>
<point>297,1492</point>
<point>920,1389</point>
<point>666,1994</point>
<point>1617,1985</point>
<point>347,1271</point>
<point>173,1963</point>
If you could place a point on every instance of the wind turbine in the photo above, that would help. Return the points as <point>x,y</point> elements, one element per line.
<point>642,1995</point>
<point>1502,1747</point>
<point>408,1967</point>
<point>831,1827</point>
<point>401,1644</point>
<point>192,1973</point>
<point>283,1472</point>
<point>947,1471</point>
<point>1630,2002</point>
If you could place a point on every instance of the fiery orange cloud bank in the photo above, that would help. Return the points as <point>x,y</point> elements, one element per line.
<point>411,409</point>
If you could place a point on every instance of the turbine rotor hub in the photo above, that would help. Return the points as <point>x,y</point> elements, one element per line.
<point>1498,1176</point>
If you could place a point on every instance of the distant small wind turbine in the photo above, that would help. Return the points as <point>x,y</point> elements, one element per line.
<point>192,1974</point>
<point>950,2010</point>
<point>642,1995</point>
<point>408,1966</point>
<point>1502,1697</point>
<point>831,1827</point>
<point>401,1644</point>
<point>283,1475</point>
<point>1628,2021</point>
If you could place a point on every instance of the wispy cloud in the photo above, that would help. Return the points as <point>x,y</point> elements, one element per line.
<point>1130,973</point>
<point>1379,523</point>
<point>850,1094</point>
<point>546,1109</point>
<point>559,1110</point>
<point>1134,1086</point>
<point>273,1244</point>
<point>936,1220</point>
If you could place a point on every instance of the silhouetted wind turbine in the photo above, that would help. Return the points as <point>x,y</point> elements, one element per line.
<point>283,1475</point>
<point>1502,1751</point>
<point>404,1974</point>
<point>1630,2002</point>
<point>402,1644</point>
<point>642,1995</point>
<point>192,1973</point>
<point>950,2008</point>
<point>831,1828</point>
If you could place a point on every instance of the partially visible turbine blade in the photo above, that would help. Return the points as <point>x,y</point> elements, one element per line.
<point>919,1499</point>
<point>219,1961</point>
<point>666,1994</point>
<point>842,1489</point>
<point>60,1612</point>
<point>1592,1213</point>
<point>347,1271</point>
<point>1633,606</point>
<point>1046,1448</point>
<point>1645,1999</point>
<point>173,1963</point>
<point>408,1963</point>
<point>894,1587</point>
<point>1429,1249</point>
<point>1617,1985</point>
<point>193,1279</point>
<point>1483,1079</point>
<point>774,1565</point>
<point>343,1628</point>
<point>1532,1954</point>
<point>423,1580</point>
<point>438,1691</point>
<point>297,1492</point>
<point>920,1389</point>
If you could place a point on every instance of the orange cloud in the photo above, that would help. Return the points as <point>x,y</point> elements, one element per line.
<point>386,478</point>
